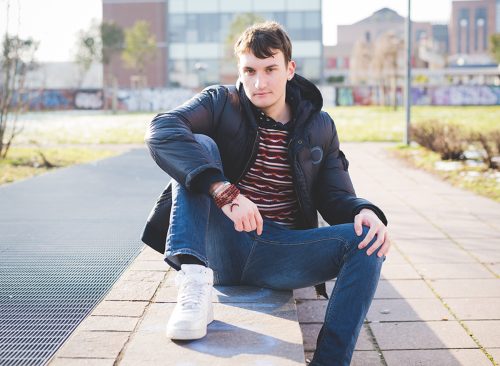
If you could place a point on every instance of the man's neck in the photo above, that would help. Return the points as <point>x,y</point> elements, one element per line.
<point>283,115</point>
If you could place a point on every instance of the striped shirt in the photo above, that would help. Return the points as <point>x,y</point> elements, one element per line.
<point>268,183</point>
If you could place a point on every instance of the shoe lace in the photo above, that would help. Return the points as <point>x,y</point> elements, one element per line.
<point>191,294</point>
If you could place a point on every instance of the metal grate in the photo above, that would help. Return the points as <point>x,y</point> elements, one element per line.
<point>45,294</point>
<point>65,238</point>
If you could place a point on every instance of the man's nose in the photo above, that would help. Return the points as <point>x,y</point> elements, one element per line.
<point>260,82</point>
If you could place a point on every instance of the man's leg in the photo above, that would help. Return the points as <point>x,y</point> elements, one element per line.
<point>200,232</point>
<point>289,259</point>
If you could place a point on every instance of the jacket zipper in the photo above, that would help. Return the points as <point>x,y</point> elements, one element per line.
<point>292,166</point>
<point>252,157</point>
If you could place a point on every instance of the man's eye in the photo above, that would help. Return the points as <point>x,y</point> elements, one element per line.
<point>249,71</point>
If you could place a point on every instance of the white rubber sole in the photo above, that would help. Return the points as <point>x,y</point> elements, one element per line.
<point>191,334</point>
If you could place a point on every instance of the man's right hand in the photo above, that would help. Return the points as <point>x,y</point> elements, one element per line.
<point>246,215</point>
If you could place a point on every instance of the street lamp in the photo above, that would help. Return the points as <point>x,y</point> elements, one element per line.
<point>408,76</point>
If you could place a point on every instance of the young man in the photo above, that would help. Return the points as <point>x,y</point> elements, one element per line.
<point>252,165</point>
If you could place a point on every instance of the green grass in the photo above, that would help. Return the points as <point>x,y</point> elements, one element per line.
<point>83,128</point>
<point>26,162</point>
<point>385,124</point>
<point>478,179</point>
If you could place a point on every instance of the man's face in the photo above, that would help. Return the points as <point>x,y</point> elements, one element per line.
<point>264,80</point>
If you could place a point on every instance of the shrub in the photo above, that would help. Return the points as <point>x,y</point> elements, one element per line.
<point>448,140</point>
<point>490,144</point>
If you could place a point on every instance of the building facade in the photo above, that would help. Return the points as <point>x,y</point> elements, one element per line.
<point>338,57</point>
<point>471,25</point>
<point>193,50</point>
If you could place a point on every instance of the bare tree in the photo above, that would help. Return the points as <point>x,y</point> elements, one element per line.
<point>16,60</point>
<point>98,44</point>
<point>387,65</point>
<point>359,67</point>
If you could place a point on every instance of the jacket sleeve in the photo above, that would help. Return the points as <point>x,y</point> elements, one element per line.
<point>171,142</point>
<point>336,199</point>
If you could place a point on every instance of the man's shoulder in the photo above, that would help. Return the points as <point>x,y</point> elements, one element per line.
<point>223,93</point>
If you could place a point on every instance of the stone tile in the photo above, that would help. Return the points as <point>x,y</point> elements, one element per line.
<point>146,276</point>
<point>310,333</point>
<point>132,291</point>
<point>231,294</point>
<point>434,251</point>
<point>421,335</point>
<point>453,270</point>
<point>407,310</point>
<point>411,226</point>
<point>467,287</point>
<point>487,332</point>
<point>399,272</point>
<point>249,294</point>
<point>494,267</point>
<point>308,293</point>
<point>61,361</point>
<point>394,257</point>
<point>149,254</point>
<point>408,289</point>
<point>157,315</point>
<point>311,311</point>
<point>495,353</point>
<point>109,323</point>
<point>309,356</point>
<point>432,357</point>
<point>154,265</point>
<point>94,344</point>
<point>366,358</point>
<point>473,244</point>
<point>462,228</point>
<point>475,309</point>
<point>241,334</point>
<point>120,308</point>
<point>489,256</point>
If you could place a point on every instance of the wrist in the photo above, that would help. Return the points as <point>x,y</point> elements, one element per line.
<point>368,211</point>
<point>217,187</point>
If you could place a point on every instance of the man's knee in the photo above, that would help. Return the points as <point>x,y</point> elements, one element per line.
<point>209,144</point>
<point>358,239</point>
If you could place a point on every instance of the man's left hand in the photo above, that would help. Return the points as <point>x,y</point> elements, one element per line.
<point>368,218</point>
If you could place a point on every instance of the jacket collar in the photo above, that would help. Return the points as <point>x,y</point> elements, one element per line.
<point>302,95</point>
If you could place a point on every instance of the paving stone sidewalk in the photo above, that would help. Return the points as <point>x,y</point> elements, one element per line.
<point>438,301</point>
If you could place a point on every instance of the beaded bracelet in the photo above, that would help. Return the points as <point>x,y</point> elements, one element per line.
<point>219,189</point>
<point>227,196</point>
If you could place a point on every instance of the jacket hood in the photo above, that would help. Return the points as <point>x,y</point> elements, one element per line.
<point>302,95</point>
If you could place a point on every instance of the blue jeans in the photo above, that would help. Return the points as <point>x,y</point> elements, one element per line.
<point>281,259</point>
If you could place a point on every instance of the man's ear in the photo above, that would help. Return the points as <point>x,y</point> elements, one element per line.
<point>291,69</point>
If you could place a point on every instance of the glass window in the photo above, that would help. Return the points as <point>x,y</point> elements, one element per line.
<point>177,28</point>
<point>176,6</point>
<point>208,27</point>
<point>312,19</point>
<point>294,20</point>
<point>192,28</point>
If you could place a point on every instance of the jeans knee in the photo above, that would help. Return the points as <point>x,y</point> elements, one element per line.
<point>358,239</point>
<point>210,145</point>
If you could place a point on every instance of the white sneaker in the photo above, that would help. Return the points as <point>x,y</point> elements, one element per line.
<point>194,309</point>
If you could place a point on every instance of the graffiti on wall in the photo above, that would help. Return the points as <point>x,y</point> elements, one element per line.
<point>437,95</point>
<point>60,99</point>
<point>89,99</point>
<point>152,100</point>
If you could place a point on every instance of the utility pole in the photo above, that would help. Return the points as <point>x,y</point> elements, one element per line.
<point>408,76</point>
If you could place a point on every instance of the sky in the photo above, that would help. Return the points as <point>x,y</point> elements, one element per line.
<point>55,23</point>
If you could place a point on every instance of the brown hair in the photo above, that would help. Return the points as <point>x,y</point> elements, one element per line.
<point>263,39</point>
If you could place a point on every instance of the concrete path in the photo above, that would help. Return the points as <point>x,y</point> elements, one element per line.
<point>438,301</point>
